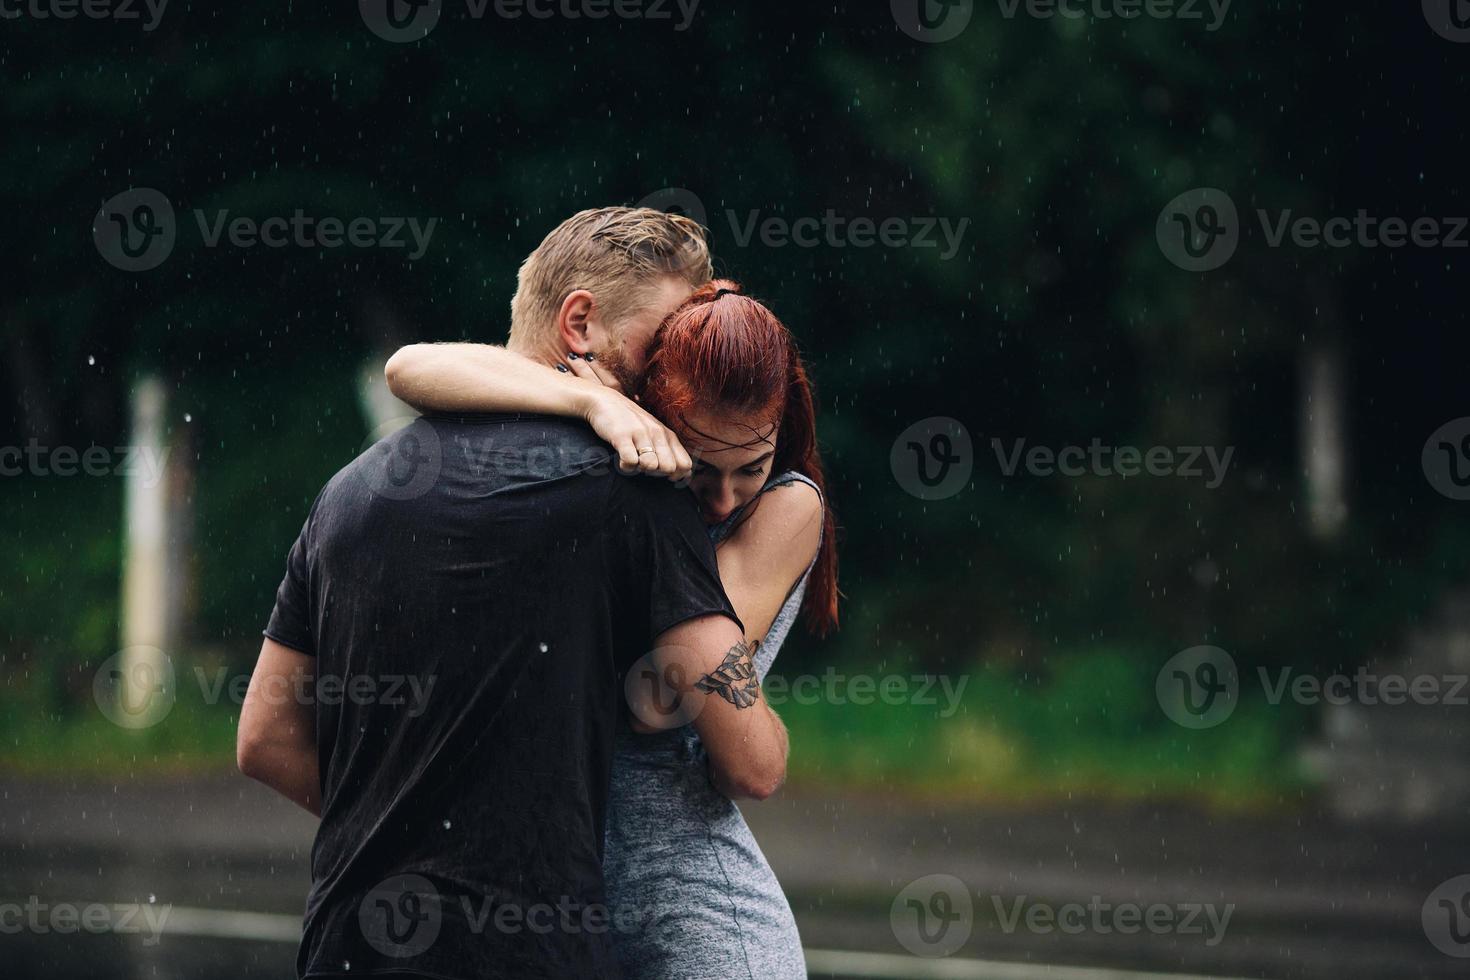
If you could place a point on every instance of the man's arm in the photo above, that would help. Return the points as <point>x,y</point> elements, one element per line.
<point>745,739</point>
<point>276,741</point>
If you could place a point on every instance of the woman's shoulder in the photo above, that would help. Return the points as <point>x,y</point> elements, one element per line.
<point>786,517</point>
<point>792,478</point>
<point>792,497</point>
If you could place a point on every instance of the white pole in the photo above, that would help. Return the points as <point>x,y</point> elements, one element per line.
<point>145,561</point>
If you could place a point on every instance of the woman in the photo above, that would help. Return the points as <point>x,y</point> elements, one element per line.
<point>724,375</point>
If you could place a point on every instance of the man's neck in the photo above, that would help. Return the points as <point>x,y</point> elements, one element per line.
<point>545,356</point>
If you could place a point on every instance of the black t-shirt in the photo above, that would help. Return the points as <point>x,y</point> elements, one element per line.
<point>472,590</point>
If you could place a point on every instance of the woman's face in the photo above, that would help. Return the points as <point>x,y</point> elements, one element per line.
<point>732,460</point>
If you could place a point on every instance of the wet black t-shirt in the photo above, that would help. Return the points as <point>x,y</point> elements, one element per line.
<point>472,590</point>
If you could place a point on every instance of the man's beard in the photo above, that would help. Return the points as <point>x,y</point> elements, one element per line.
<point>615,362</point>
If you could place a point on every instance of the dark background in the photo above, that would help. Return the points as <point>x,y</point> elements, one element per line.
<point>1059,320</point>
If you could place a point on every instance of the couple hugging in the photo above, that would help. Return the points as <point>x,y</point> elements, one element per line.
<point>629,491</point>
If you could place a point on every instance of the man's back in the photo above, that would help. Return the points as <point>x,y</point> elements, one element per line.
<point>472,588</point>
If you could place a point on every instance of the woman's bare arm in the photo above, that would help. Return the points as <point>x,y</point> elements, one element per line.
<point>769,552</point>
<point>484,378</point>
<point>759,564</point>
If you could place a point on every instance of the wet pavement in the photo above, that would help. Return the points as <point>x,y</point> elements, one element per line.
<point>1240,897</point>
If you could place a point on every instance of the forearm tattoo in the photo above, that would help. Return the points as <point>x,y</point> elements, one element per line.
<point>735,678</point>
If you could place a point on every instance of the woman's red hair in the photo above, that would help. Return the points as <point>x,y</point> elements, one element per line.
<point>722,352</point>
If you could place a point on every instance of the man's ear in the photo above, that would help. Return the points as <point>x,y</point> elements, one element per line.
<point>575,319</point>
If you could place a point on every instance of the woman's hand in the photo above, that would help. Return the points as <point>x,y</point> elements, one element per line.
<point>642,442</point>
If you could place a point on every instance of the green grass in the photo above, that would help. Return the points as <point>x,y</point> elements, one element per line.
<point>1090,729</point>
<point>37,739</point>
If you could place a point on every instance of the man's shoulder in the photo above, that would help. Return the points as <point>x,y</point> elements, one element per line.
<point>415,463</point>
<point>646,508</point>
<point>518,427</point>
<point>652,493</point>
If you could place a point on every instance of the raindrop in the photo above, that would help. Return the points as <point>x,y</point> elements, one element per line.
<point>544,648</point>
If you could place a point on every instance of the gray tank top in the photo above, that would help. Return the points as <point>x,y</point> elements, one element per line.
<point>680,854</point>
<point>765,655</point>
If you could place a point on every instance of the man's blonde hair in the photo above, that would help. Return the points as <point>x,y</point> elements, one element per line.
<point>616,254</point>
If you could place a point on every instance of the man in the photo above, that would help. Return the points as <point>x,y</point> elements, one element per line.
<point>459,607</point>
